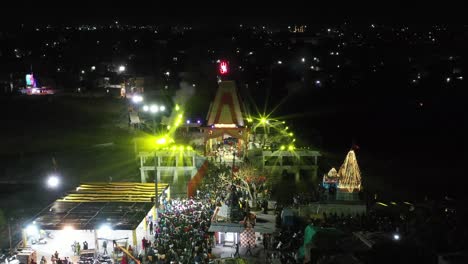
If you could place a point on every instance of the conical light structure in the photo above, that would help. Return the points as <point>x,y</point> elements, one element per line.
<point>349,173</point>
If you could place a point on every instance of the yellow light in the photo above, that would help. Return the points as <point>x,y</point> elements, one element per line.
<point>284,122</point>
<point>173,148</point>
<point>189,148</point>
<point>177,107</point>
<point>291,134</point>
<point>168,127</point>
<point>249,119</point>
<point>382,204</point>
<point>286,128</point>
<point>181,148</point>
<point>180,115</point>
<point>161,141</point>
<point>263,120</point>
<point>282,147</point>
<point>290,147</point>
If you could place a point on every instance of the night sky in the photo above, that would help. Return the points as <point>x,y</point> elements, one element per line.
<point>232,11</point>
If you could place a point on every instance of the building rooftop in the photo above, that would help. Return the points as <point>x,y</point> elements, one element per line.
<point>120,205</point>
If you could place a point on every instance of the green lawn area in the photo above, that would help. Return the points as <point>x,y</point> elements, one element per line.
<point>69,128</point>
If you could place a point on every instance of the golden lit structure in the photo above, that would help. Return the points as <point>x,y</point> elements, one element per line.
<point>349,174</point>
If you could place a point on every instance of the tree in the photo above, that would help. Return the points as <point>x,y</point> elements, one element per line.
<point>250,180</point>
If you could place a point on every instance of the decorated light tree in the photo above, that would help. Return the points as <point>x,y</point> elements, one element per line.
<point>349,174</point>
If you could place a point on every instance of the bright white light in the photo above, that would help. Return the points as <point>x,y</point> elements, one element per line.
<point>329,30</point>
<point>68,228</point>
<point>93,68</point>
<point>280,62</point>
<point>167,73</point>
<point>162,108</point>
<point>137,98</point>
<point>396,237</point>
<point>198,122</point>
<point>105,228</point>
<point>154,109</point>
<point>82,72</point>
<point>303,59</point>
<point>448,79</point>
<point>317,82</point>
<point>32,230</point>
<point>145,108</point>
<point>188,121</point>
<point>53,182</point>
<point>121,68</point>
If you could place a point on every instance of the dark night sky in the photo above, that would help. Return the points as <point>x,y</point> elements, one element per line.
<point>234,11</point>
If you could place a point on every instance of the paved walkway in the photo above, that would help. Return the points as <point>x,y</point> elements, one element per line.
<point>258,253</point>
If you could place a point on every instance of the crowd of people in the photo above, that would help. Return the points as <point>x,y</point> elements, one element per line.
<point>180,232</point>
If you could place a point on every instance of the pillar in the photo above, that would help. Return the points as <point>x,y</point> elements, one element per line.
<point>142,171</point>
<point>142,175</point>
<point>297,176</point>
<point>168,194</point>
<point>176,176</point>
<point>96,243</point>
<point>134,236</point>
<point>25,237</point>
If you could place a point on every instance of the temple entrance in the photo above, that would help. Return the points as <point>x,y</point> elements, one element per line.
<point>224,147</point>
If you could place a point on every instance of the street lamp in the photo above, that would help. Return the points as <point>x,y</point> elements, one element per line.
<point>53,182</point>
<point>137,99</point>
<point>121,68</point>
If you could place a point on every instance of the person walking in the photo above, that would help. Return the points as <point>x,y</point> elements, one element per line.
<point>237,250</point>
<point>104,246</point>
<point>249,250</point>
<point>78,249</point>
<point>151,227</point>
